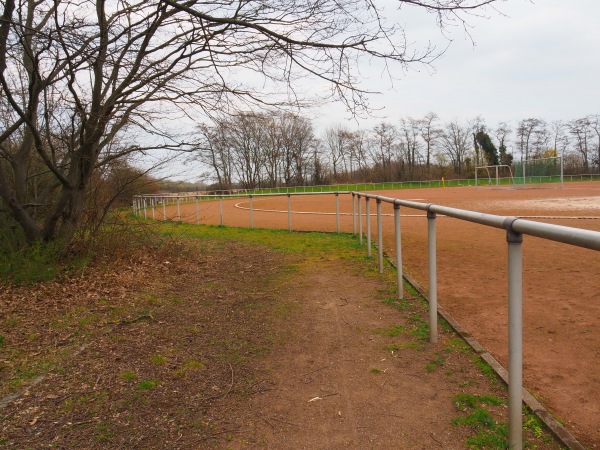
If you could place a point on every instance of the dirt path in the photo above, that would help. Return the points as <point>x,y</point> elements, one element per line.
<point>328,388</point>
<point>232,344</point>
<point>561,308</point>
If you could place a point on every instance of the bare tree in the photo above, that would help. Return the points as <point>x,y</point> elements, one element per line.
<point>455,142</point>
<point>384,145</point>
<point>430,133</point>
<point>582,132</point>
<point>595,124</point>
<point>502,133</point>
<point>532,137</point>
<point>74,75</point>
<point>410,132</point>
<point>337,142</point>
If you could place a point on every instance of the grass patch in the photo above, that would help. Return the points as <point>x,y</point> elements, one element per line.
<point>146,385</point>
<point>391,331</point>
<point>487,432</point>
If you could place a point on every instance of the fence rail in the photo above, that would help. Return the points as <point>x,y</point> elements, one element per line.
<point>390,185</point>
<point>516,228</point>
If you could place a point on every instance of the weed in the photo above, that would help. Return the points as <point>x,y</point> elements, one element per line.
<point>464,401</point>
<point>486,369</point>
<point>128,375</point>
<point>159,360</point>
<point>376,370</point>
<point>420,327</point>
<point>2,340</point>
<point>145,385</point>
<point>457,344</point>
<point>391,331</point>
<point>191,365</point>
<point>104,432</point>
<point>439,361</point>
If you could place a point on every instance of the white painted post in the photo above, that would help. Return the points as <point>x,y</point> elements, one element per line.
<point>432,262</point>
<point>515,338</point>
<point>337,212</point>
<point>197,212</point>
<point>289,212</point>
<point>145,206</point>
<point>353,214</point>
<point>164,208</point>
<point>178,209</point>
<point>368,227</point>
<point>221,211</point>
<point>379,236</point>
<point>360,221</point>
<point>251,215</point>
<point>398,251</point>
<point>153,203</point>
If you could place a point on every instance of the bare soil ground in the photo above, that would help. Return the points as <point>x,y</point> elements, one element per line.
<point>230,344</point>
<point>561,282</point>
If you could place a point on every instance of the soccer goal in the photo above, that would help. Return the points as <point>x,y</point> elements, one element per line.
<point>494,177</point>
<point>540,173</point>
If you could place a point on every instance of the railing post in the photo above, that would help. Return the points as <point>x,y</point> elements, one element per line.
<point>353,214</point>
<point>164,202</point>
<point>515,337</point>
<point>337,212</point>
<point>289,212</point>
<point>368,226</point>
<point>178,208</point>
<point>251,214</point>
<point>432,262</point>
<point>360,221</point>
<point>145,206</point>
<point>379,236</point>
<point>399,272</point>
<point>221,211</point>
<point>153,203</point>
<point>197,212</point>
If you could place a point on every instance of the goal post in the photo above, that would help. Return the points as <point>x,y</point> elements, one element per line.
<point>539,173</point>
<point>494,177</point>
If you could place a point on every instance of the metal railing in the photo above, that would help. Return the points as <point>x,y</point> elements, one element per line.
<point>516,228</point>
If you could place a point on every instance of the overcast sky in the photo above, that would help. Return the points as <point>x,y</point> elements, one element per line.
<point>540,59</point>
<point>531,59</point>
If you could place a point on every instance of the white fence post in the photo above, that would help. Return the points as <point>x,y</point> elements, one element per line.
<point>398,236</point>
<point>221,211</point>
<point>251,214</point>
<point>368,226</point>
<point>515,337</point>
<point>197,212</point>
<point>360,221</point>
<point>432,262</point>
<point>379,236</point>
<point>337,212</point>
<point>353,214</point>
<point>289,212</point>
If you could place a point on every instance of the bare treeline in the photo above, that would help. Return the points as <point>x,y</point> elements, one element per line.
<point>269,149</point>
